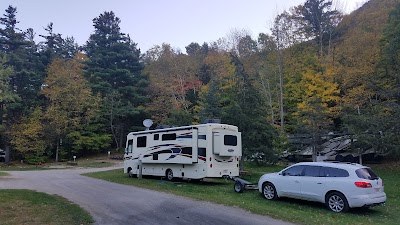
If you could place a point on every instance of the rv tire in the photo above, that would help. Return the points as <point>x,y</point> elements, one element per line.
<point>169,175</point>
<point>130,174</point>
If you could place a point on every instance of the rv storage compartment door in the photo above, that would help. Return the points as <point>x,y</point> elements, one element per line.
<point>227,143</point>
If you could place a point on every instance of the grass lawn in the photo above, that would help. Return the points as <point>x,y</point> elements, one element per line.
<point>303,212</point>
<point>94,162</point>
<point>30,207</point>
<point>3,174</point>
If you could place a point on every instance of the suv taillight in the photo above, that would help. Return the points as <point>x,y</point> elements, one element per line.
<point>363,184</point>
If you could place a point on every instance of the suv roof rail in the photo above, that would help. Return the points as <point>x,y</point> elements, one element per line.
<point>343,162</point>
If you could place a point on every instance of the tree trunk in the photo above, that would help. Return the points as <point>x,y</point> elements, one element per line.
<point>121,136</point>
<point>280,62</point>
<point>7,144</point>
<point>7,159</point>
<point>112,127</point>
<point>268,93</point>
<point>57,148</point>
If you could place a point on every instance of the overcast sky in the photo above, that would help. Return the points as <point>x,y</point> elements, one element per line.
<point>152,22</point>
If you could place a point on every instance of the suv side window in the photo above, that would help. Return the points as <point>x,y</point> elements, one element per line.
<point>312,171</point>
<point>333,172</point>
<point>294,171</point>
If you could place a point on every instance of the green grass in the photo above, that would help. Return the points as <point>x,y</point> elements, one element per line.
<point>303,212</point>
<point>30,207</point>
<point>3,173</point>
<point>84,162</point>
<point>94,163</point>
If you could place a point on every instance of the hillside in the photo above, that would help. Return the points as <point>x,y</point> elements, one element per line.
<point>357,48</point>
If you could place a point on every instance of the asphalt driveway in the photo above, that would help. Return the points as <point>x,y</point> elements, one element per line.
<point>110,203</point>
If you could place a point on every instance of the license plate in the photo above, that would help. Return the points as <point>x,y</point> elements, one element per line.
<point>377,189</point>
<point>225,171</point>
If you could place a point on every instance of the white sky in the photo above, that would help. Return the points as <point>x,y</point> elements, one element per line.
<point>152,22</point>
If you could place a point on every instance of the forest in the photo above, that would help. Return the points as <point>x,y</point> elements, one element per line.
<point>316,72</point>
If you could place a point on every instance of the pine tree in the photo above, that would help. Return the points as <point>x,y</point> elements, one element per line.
<point>114,71</point>
<point>19,47</point>
<point>25,80</point>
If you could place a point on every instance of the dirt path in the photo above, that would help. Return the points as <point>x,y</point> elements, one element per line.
<point>111,203</point>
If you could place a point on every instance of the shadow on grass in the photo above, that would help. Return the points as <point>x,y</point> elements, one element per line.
<point>179,181</point>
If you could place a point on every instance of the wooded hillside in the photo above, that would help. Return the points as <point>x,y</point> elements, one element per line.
<point>315,72</point>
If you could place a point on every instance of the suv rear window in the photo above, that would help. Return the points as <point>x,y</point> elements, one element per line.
<point>366,173</point>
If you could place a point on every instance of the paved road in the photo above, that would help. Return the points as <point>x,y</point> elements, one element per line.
<point>111,203</point>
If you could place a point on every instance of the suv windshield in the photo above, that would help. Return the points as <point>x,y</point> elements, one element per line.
<point>366,173</point>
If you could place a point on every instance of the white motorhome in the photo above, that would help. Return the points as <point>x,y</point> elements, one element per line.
<point>192,152</point>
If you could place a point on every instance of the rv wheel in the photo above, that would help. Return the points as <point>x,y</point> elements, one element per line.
<point>169,175</point>
<point>130,174</point>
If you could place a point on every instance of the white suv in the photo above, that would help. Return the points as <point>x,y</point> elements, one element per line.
<point>339,185</point>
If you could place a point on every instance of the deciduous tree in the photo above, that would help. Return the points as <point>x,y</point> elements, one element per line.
<point>72,105</point>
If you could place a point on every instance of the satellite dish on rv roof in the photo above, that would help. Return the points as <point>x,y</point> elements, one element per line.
<point>147,123</point>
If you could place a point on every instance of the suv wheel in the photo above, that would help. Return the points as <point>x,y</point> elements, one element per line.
<point>337,202</point>
<point>269,191</point>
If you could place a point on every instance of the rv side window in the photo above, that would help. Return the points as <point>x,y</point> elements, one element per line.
<point>141,142</point>
<point>230,140</point>
<point>167,137</point>
<point>129,147</point>
<point>156,137</point>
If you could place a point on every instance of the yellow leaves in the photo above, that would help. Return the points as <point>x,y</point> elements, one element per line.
<point>320,85</point>
<point>27,136</point>
<point>71,102</point>
<point>222,70</point>
<point>319,93</point>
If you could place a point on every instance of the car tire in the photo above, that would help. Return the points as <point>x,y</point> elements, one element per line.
<point>336,202</point>
<point>169,175</point>
<point>269,191</point>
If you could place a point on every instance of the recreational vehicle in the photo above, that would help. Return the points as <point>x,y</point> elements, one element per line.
<point>191,152</point>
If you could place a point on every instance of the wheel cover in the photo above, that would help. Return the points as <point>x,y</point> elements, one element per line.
<point>269,192</point>
<point>336,203</point>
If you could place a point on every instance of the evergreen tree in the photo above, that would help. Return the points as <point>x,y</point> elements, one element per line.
<point>7,99</point>
<point>114,71</point>
<point>19,48</point>
<point>56,46</point>
<point>25,80</point>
